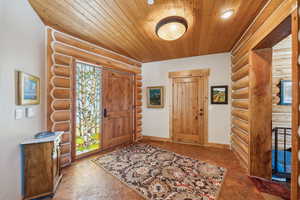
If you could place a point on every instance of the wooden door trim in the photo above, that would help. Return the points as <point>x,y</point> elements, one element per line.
<point>73,110</point>
<point>260,121</point>
<point>204,73</point>
<point>295,189</point>
<point>190,73</point>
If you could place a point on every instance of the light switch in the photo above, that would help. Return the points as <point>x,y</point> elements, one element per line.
<point>30,112</point>
<point>19,113</point>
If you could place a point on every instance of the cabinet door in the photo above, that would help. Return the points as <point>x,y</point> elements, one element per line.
<point>56,162</point>
<point>38,169</point>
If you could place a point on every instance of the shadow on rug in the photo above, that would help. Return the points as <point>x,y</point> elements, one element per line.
<point>271,187</point>
<point>159,174</point>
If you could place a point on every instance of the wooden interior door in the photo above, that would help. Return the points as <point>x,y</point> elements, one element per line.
<point>188,110</point>
<point>117,108</point>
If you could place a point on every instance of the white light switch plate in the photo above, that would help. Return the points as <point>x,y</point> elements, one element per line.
<point>30,112</point>
<point>19,113</point>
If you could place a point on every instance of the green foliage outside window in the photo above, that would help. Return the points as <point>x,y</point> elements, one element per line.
<point>88,108</point>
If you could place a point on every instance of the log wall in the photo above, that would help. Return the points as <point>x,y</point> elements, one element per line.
<point>281,70</point>
<point>62,52</point>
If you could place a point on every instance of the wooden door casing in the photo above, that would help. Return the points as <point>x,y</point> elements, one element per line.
<point>118,102</point>
<point>260,97</point>
<point>295,182</point>
<point>189,106</point>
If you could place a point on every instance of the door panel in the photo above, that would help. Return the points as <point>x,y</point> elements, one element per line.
<point>118,105</point>
<point>188,106</point>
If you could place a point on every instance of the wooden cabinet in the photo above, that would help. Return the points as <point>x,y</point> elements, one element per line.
<point>41,166</point>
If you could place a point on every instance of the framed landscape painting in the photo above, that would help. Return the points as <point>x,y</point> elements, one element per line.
<point>28,89</point>
<point>219,94</point>
<point>155,97</point>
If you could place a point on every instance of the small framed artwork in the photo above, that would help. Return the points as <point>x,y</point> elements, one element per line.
<point>285,92</point>
<point>155,97</point>
<point>219,94</point>
<point>28,89</point>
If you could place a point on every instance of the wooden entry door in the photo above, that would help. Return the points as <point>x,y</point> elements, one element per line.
<point>189,121</point>
<point>117,108</point>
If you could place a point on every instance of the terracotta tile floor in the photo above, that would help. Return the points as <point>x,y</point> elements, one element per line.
<point>83,180</point>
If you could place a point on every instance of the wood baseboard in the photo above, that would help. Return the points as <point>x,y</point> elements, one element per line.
<point>160,139</point>
<point>217,145</point>
<point>154,138</point>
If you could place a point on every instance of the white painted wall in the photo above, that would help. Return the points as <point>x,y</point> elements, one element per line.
<point>22,47</point>
<point>156,121</point>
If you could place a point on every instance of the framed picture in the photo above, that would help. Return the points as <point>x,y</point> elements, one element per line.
<point>155,97</point>
<point>28,89</point>
<point>219,94</point>
<point>285,92</point>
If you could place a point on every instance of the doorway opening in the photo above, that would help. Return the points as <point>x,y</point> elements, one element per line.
<point>271,97</point>
<point>282,110</point>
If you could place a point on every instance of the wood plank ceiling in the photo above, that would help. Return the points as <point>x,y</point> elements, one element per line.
<point>128,26</point>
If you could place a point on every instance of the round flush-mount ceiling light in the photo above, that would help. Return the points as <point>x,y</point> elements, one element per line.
<point>227,14</point>
<point>150,2</point>
<point>171,28</point>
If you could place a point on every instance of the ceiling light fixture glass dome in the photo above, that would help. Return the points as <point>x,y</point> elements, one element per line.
<point>171,28</point>
<point>227,14</point>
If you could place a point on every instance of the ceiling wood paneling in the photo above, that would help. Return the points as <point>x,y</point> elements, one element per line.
<point>128,26</point>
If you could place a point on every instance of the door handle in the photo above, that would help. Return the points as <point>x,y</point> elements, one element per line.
<point>104,112</point>
<point>201,112</point>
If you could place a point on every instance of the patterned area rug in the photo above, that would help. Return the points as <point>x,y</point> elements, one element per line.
<point>271,187</point>
<point>159,174</point>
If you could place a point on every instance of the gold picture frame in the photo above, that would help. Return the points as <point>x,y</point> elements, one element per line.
<point>28,89</point>
<point>155,97</point>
